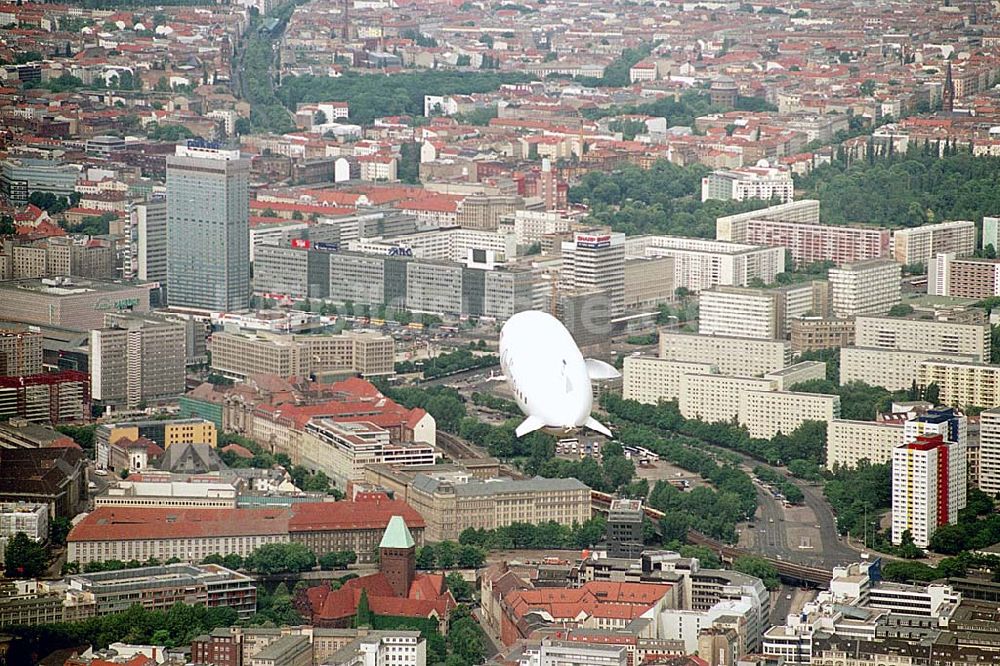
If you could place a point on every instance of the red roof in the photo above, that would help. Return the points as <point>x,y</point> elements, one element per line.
<point>322,516</point>
<point>602,599</point>
<point>130,523</point>
<point>428,597</point>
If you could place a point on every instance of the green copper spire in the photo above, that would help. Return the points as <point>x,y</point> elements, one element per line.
<point>397,535</point>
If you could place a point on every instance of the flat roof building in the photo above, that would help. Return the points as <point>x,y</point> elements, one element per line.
<point>78,304</point>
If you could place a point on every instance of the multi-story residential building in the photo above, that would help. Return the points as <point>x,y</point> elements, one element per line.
<point>343,449</point>
<point>811,243</point>
<point>989,451</point>
<point>745,357</point>
<point>815,333</point>
<point>399,648</point>
<point>848,442</point>
<point>242,355</point>
<point>79,256</point>
<point>895,370</point>
<point>484,211</point>
<point>961,383</point>
<point>50,397</point>
<point>32,518</point>
<point>741,312</point>
<point>453,244</point>
<point>648,282</point>
<point>20,351</point>
<point>932,335</point>
<point>713,398</point>
<point>595,259</point>
<point>865,288</point>
<point>920,489</point>
<point>146,256</point>
<point>328,527</point>
<point>450,501</point>
<point>160,587</point>
<point>76,304</point>
<point>919,245</point>
<point>965,278</point>
<point>765,413</point>
<point>208,236</point>
<point>759,182</point>
<point>530,226</point>
<point>137,359</point>
<point>649,380</point>
<point>803,371</point>
<point>191,535</point>
<point>735,228</point>
<point>702,264</point>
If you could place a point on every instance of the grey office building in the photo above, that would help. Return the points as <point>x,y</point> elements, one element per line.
<point>208,232</point>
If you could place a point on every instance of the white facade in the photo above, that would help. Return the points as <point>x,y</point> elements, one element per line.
<point>761,182</point>
<point>945,337</point>
<point>848,442</point>
<point>865,288</point>
<point>440,245</point>
<point>766,413</point>
<point>989,452</point>
<point>732,356</point>
<point>702,264</point>
<point>893,369</point>
<point>919,245</point>
<point>567,653</point>
<point>745,313</point>
<point>529,226</point>
<point>714,398</point>
<point>649,380</point>
<point>32,519</point>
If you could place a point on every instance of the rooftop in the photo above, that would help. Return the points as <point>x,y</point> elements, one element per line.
<point>397,535</point>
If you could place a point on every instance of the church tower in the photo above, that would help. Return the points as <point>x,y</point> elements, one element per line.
<point>398,556</point>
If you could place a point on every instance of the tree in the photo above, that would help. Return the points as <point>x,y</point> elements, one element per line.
<point>275,558</point>
<point>932,393</point>
<point>758,567</point>
<point>319,118</point>
<point>460,588</point>
<point>24,558</point>
<point>907,549</point>
<point>426,558</point>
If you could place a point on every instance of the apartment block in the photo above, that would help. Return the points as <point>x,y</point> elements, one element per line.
<point>803,371</point>
<point>865,288</point>
<point>530,226</point>
<point>848,442</point>
<point>50,397</point>
<point>759,182</point>
<point>649,380</point>
<point>811,243</point>
<point>146,255</point>
<point>989,451</point>
<point>918,245</point>
<point>962,384</point>
<point>766,413</point>
<point>945,337</point>
<point>242,355</point>
<point>712,398</point>
<point>648,282</point>
<point>740,312</point>
<point>963,278</point>
<point>895,370</point>
<point>952,426</point>
<point>745,357</point>
<point>20,352</point>
<point>920,482</point>
<point>137,359</point>
<point>815,333</point>
<point>29,517</point>
<point>702,264</point>
<point>735,228</point>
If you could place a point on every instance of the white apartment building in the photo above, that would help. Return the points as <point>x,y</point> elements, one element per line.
<point>760,182</point>
<point>649,380</point>
<point>702,264</point>
<point>30,518</point>
<point>918,245</point>
<point>895,370</point>
<point>739,312</point>
<point>989,451</point>
<point>712,398</point>
<point>865,288</point>
<point>382,648</point>
<point>529,226</point>
<point>649,282</point>
<point>962,384</point>
<point>596,260</point>
<point>803,371</point>
<point>946,337</point>
<point>746,357</point>
<point>734,228</point>
<point>765,413</point>
<point>848,442</point>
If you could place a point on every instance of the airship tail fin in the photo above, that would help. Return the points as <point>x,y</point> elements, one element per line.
<point>601,370</point>
<point>530,424</point>
<point>594,424</point>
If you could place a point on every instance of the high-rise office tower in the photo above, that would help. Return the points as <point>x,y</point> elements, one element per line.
<point>147,258</point>
<point>208,233</point>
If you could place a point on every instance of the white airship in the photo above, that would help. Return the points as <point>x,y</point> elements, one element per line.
<point>548,375</point>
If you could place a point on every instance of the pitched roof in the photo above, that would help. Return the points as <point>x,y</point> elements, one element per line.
<point>135,523</point>
<point>428,597</point>
<point>375,514</point>
<point>397,535</point>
